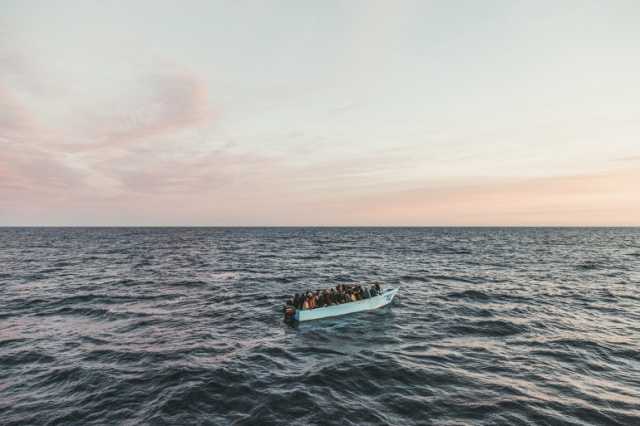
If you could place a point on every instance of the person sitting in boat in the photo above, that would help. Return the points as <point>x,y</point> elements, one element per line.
<point>289,312</point>
<point>287,305</point>
<point>342,293</point>
<point>327,298</point>
<point>365,292</point>
<point>309,301</point>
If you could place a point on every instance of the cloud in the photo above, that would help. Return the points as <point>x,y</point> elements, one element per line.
<point>201,175</point>
<point>16,122</point>
<point>172,102</point>
<point>631,158</point>
<point>33,177</point>
<point>608,198</point>
<point>157,106</point>
<point>22,72</point>
<point>98,154</point>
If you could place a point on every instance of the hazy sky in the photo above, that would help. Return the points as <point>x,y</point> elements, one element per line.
<point>320,113</point>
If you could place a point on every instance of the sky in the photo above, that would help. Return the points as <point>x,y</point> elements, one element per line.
<point>251,113</point>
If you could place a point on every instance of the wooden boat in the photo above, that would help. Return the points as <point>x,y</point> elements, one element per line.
<point>346,308</point>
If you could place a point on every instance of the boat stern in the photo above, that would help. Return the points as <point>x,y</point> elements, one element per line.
<point>389,294</point>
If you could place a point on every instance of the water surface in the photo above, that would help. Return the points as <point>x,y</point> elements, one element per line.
<point>183,326</point>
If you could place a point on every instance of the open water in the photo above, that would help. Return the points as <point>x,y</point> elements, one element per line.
<point>183,326</point>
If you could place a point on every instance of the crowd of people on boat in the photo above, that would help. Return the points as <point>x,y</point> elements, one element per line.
<point>342,293</point>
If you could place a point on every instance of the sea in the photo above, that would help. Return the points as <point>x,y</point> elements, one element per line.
<point>184,326</point>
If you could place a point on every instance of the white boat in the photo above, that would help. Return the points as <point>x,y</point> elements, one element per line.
<point>347,308</point>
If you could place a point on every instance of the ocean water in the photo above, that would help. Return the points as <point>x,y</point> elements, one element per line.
<point>183,326</point>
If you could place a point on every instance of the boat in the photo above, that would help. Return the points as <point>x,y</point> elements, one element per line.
<point>346,308</point>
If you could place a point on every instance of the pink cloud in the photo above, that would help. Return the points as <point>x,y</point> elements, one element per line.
<point>35,161</point>
<point>200,174</point>
<point>31,180</point>
<point>158,106</point>
<point>27,165</point>
<point>21,71</point>
<point>161,105</point>
<point>608,198</point>
<point>16,122</point>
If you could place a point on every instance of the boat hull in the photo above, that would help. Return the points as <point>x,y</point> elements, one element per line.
<point>347,308</point>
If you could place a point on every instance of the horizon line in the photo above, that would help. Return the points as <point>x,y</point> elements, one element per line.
<point>319,226</point>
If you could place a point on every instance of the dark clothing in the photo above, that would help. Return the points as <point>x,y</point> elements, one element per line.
<point>342,293</point>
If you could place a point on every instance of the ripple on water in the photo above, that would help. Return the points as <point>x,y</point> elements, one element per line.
<point>183,326</point>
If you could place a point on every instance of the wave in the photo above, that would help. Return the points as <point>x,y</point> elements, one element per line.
<point>589,266</point>
<point>25,357</point>
<point>183,326</point>
<point>495,328</point>
<point>469,294</point>
<point>90,312</point>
